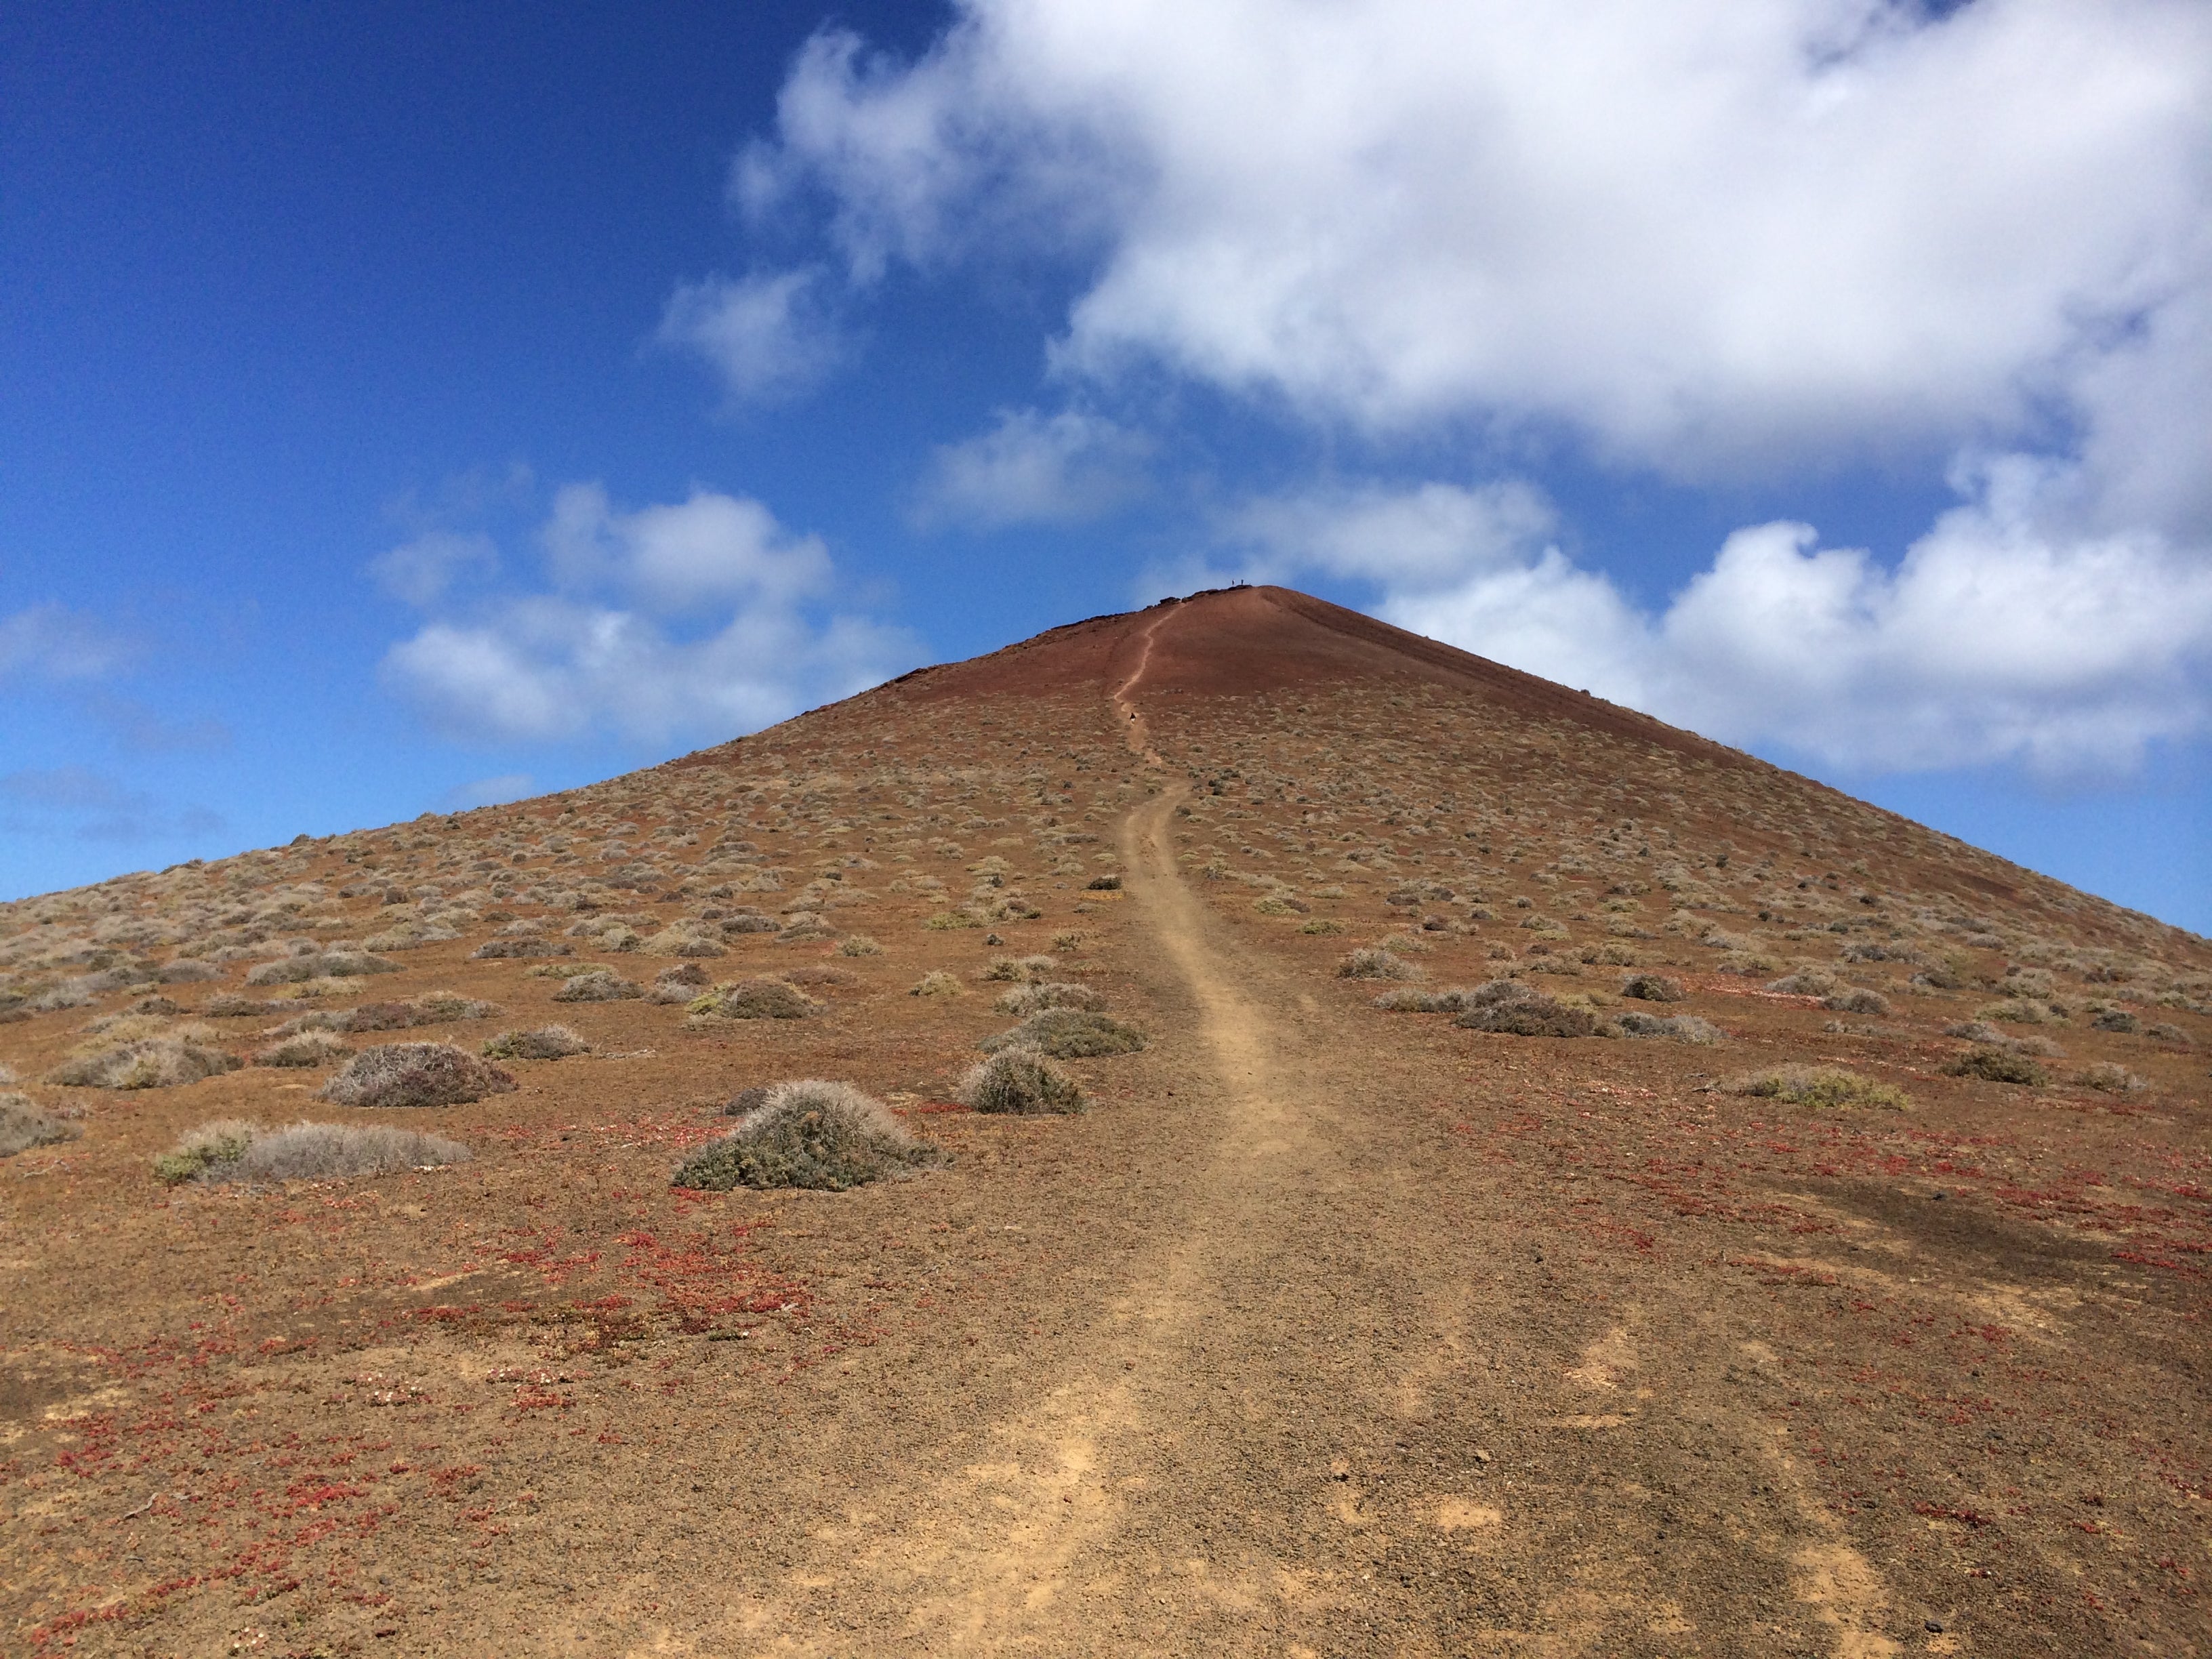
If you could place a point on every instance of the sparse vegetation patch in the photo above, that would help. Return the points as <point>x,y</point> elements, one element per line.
<point>755,998</point>
<point>1508,1007</point>
<point>1994,1065</point>
<point>182,1056</point>
<point>827,1137</point>
<point>1819,1086</point>
<point>398,1074</point>
<point>546,1042</point>
<point>234,1150</point>
<point>24,1125</point>
<point>1069,1034</point>
<point>1021,1081</point>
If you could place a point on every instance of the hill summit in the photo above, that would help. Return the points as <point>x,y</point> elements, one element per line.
<point>1227,1128</point>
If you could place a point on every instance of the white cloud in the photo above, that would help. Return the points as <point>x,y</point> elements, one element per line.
<point>698,619</point>
<point>1406,537</point>
<point>710,549</point>
<point>1719,239</point>
<point>1992,640</point>
<point>53,643</point>
<point>1032,468</point>
<point>1705,236</point>
<point>422,571</point>
<point>771,336</point>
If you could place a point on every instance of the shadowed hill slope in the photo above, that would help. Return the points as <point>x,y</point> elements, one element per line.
<point>1549,1184</point>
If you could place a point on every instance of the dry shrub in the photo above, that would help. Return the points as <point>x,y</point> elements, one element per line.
<point>1024,971</point>
<point>1651,988</point>
<point>1994,1065</point>
<point>1988,1036</point>
<point>2116,1019</point>
<point>1805,982</point>
<point>229,1005</point>
<point>823,1136</point>
<point>1031,999</point>
<point>1509,1008</point>
<point>600,987</point>
<point>1021,1081</point>
<point>1858,1001</point>
<point>394,1074</point>
<point>748,921</point>
<point>1068,1033</point>
<point>859,945</point>
<point>2111,1079</point>
<point>754,999</point>
<point>232,1151</point>
<point>1681,1028</point>
<point>1408,1000</point>
<point>223,1141</point>
<point>2017,1011</point>
<point>1375,962</point>
<point>679,984</point>
<point>302,1048</point>
<point>498,949</point>
<point>23,1126</point>
<point>1322,925</point>
<point>126,1028</point>
<point>1819,1086</point>
<point>546,1042</point>
<point>681,940</point>
<point>319,964</point>
<point>939,983</point>
<point>438,1008</point>
<point>167,1062</point>
<point>566,969</point>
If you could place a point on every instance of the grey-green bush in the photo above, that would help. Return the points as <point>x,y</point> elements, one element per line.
<point>1021,1081</point>
<point>1031,998</point>
<point>319,964</point>
<point>1373,962</point>
<point>232,1151</point>
<point>1819,1086</point>
<point>1069,1034</point>
<point>601,987</point>
<point>754,999</point>
<point>820,1135</point>
<point>1680,1028</point>
<point>153,1063</point>
<point>1999,1066</point>
<point>546,1042</point>
<point>310,1048</point>
<point>398,1074</point>
<point>1857,1001</point>
<point>1409,999</point>
<point>23,1125</point>
<point>1651,988</point>
<point>1509,1008</point>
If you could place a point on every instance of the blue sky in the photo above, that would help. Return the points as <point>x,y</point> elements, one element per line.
<point>408,408</point>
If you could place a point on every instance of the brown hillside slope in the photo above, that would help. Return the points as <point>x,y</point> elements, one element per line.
<point>1358,1314</point>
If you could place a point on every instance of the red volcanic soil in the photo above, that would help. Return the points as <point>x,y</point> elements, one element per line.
<point>1762,1318</point>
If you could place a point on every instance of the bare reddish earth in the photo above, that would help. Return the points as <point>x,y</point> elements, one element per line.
<point>1329,1329</point>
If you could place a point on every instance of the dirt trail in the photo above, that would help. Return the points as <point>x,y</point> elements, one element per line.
<point>1027,1546</point>
<point>1137,732</point>
<point>1271,1437</point>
